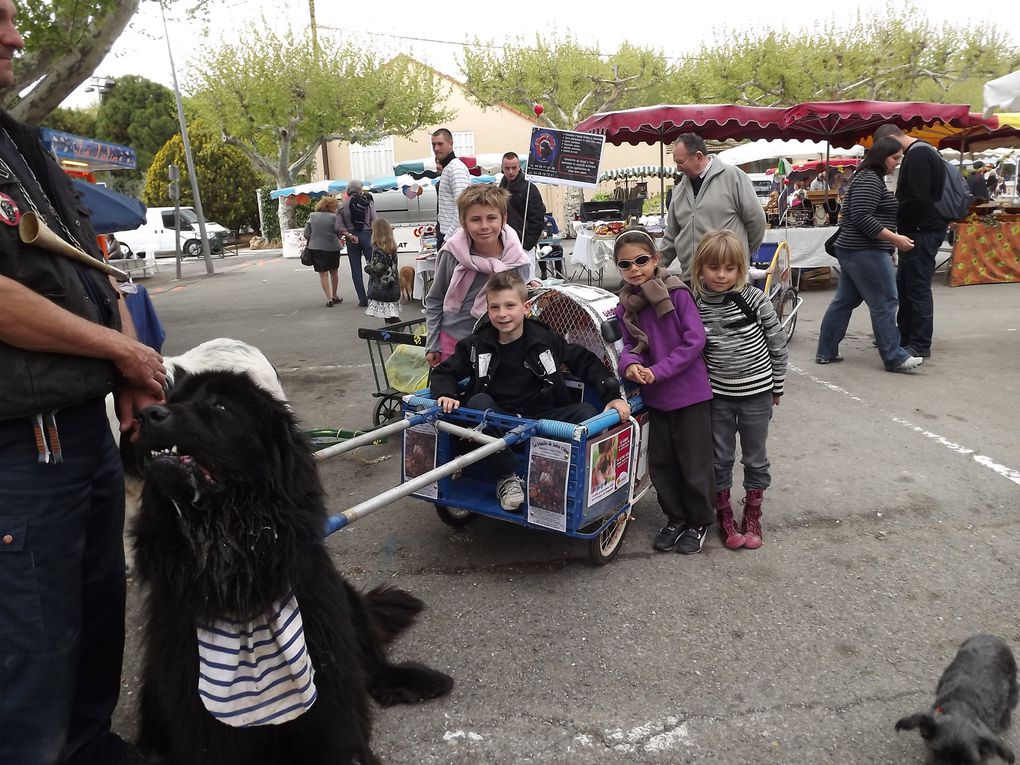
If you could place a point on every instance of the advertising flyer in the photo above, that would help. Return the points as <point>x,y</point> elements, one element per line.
<point>641,473</point>
<point>420,444</point>
<point>608,464</point>
<point>548,469</point>
<point>565,158</point>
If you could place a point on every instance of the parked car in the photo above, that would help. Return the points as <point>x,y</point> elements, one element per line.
<point>157,235</point>
<point>762,183</point>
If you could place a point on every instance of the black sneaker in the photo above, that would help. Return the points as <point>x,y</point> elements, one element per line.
<point>691,540</point>
<point>667,537</point>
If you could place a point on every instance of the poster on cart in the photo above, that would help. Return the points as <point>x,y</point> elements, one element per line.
<point>420,445</point>
<point>548,469</point>
<point>565,158</point>
<point>641,470</point>
<point>609,463</point>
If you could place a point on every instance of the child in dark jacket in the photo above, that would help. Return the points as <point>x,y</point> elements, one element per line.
<point>513,365</point>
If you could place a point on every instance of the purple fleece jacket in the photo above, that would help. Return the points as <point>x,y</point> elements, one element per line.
<point>675,343</point>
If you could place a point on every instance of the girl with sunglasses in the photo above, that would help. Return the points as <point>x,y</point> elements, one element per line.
<point>745,351</point>
<point>663,339</point>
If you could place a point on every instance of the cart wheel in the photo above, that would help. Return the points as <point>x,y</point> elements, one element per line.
<point>786,308</point>
<point>387,410</point>
<point>452,516</point>
<point>603,548</point>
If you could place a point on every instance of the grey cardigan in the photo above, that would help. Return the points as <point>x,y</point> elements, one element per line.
<point>319,233</point>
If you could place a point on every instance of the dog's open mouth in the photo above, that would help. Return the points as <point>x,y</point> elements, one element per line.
<point>172,457</point>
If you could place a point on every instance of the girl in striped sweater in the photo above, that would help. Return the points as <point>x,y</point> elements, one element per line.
<point>745,351</point>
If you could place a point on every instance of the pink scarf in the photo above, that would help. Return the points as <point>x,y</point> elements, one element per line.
<point>469,266</point>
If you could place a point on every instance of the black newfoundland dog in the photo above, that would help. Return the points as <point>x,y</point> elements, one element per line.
<point>231,526</point>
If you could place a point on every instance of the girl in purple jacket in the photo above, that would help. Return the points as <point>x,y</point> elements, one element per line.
<point>663,339</point>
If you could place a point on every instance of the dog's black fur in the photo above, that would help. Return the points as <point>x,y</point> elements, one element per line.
<point>974,701</point>
<point>225,532</point>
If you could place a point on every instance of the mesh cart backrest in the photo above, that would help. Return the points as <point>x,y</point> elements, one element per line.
<point>577,312</point>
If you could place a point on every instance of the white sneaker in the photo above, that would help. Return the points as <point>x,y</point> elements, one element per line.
<point>911,363</point>
<point>510,492</point>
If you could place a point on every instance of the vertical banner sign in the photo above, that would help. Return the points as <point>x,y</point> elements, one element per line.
<point>565,158</point>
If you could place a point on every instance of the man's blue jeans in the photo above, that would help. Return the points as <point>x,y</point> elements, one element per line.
<point>62,591</point>
<point>864,276</point>
<point>916,316</point>
<point>355,253</point>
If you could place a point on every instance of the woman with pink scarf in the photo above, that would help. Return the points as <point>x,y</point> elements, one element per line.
<point>484,245</point>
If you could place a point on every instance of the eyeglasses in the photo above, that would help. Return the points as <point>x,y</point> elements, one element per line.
<point>680,165</point>
<point>623,265</point>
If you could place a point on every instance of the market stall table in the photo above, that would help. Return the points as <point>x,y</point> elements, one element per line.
<point>424,268</point>
<point>807,245</point>
<point>591,253</point>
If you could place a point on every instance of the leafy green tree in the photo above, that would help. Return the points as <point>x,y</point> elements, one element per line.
<point>898,57</point>
<point>65,40</point>
<point>227,180</point>
<point>569,79</point>
<point>77,121</point>
<point>276,98</point>
<point>138,113</point>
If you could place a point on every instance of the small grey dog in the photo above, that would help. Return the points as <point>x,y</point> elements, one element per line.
<point>973,703</point>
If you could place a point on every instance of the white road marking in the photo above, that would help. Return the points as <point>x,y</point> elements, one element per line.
<point>1006,472</point>
<point>329,368</point>
<point>454,735</point>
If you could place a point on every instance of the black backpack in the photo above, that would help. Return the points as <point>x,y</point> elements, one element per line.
<point>956,197</point>
<point>358,205</point>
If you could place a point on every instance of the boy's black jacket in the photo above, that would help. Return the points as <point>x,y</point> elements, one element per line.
<point>550,389</point>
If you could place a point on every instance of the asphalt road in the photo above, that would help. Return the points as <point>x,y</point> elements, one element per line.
<point>891,533</point>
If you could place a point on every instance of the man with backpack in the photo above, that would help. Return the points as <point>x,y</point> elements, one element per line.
<point>919,190</point>
<point>353,224</point>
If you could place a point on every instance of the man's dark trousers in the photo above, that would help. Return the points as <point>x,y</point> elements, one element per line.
<point>62,583</point>
<point>916,314</point>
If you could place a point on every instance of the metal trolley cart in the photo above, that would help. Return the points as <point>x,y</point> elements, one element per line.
<point>581,480</point>
<point>397,353</point>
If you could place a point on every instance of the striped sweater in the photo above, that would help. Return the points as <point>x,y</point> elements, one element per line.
<point>745,357</point>
<point>869,207</point>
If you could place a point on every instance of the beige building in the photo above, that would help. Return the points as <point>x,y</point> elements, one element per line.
<point>476,131</point>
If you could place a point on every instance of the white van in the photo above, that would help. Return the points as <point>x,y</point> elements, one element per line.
<point>762,183</point>
<point>156,236</point>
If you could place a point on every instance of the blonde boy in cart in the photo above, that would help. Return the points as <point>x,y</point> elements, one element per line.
<point>513,364</point>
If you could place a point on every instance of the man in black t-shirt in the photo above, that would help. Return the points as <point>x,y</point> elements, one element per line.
<point>921,181</point>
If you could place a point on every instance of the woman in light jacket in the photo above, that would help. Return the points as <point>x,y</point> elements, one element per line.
<point>324,248</point>
<point>866,250</point>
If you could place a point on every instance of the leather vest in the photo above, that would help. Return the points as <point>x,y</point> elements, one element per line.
<point>34,382</point>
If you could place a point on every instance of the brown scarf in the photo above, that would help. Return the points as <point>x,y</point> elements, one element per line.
<point>653,292</point>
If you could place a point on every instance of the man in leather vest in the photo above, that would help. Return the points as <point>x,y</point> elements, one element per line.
<point>65,342</point>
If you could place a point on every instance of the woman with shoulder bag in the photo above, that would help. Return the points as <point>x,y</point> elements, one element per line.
<point>866,247</point>
<point>323,248</point>
<point>383,281</point>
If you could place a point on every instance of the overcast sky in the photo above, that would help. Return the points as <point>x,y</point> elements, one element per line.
<point>412,26</point>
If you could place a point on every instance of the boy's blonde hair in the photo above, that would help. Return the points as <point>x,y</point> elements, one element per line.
<point>507,280</point>
<point>486,195</point>
<point>722,247</point>
<point>382,236</point>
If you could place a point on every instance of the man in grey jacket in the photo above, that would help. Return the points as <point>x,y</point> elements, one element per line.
<point>710,195</point>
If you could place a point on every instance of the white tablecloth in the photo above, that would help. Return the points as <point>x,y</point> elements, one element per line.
<point>423,269</point>
<point>807,245</point>
<point>591,252</point>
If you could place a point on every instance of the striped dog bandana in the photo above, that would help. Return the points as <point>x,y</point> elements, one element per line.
<point>256,672</point>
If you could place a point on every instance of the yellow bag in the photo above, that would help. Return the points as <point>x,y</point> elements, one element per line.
<point>406,368</point>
